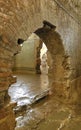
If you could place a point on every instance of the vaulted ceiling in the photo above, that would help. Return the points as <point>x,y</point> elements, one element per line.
<point>16,17</point>
<point>19,18</point>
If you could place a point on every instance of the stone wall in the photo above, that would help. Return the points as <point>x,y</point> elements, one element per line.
<point>25,61</point>
<point>7,50</point>
<point>68,26</point>
<point>19,20</point>
<point>68,29</point>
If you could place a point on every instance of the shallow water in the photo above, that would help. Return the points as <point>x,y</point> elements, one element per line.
<point>48,113</point>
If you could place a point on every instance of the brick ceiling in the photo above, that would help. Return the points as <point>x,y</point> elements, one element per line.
<point>17,16</point>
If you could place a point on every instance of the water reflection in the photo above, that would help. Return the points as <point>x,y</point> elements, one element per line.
<point>44,81</point>
<point>27,87</point>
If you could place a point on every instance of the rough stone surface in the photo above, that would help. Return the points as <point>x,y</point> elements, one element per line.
<point>7,118</point>
<point>19,19</point>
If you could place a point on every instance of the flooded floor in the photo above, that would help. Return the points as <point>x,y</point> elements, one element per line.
<point>28,88</point>
<point>47,113</point>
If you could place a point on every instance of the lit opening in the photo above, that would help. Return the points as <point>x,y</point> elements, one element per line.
<point>43,56</point>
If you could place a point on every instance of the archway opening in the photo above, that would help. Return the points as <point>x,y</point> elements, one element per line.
<point>31,80</point>
<point>59,72</point>
<point>32,55</point>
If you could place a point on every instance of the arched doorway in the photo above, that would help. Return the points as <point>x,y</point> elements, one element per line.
<point>53,42</point>
<point>29,83</point>
<point>59,73</point>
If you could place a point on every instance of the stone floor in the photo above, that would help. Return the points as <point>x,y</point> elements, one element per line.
<point>46,114</point>
<point>29,88</point>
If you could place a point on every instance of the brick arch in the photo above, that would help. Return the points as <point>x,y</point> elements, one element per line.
<point>52,40</point>
<point>54,43</point>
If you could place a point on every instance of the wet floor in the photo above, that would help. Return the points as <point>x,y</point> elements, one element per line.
<point>48,113</point>
<point>28,87</point>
